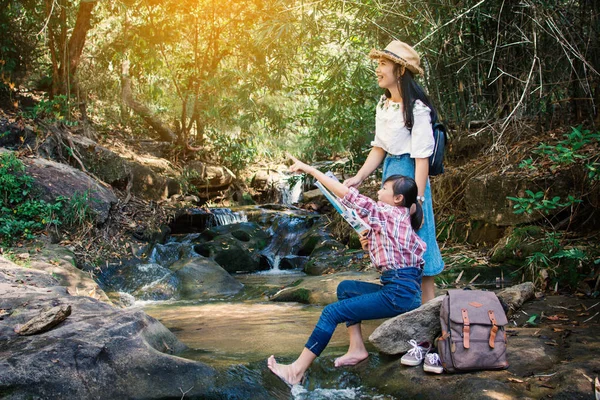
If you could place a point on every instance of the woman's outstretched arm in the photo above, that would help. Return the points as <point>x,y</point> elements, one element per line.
<point>373,161</point>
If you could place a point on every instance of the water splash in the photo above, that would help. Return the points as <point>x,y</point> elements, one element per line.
<point>291,188</point>
<point>286,232</point>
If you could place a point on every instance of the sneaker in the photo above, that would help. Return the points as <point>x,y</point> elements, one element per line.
<point>433,363</point>
<point>415,355</point>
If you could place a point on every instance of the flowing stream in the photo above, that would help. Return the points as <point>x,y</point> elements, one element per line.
<point>238,336</point>
<point>238,333</point>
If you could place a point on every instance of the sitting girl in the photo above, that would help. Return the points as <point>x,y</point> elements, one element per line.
<point>395,250</point>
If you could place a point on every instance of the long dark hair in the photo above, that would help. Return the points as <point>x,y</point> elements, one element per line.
<point>407,187</point>
<point>410,91</point>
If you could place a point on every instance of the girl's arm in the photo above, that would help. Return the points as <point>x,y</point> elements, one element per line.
<point>373,160</point>
<point>421,173</point>
<point>336,187</point>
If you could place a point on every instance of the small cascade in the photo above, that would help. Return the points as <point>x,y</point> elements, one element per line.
<point>197,220</point>
<point>286,232</point>
<point>291,188</point>
<point>224,216</point>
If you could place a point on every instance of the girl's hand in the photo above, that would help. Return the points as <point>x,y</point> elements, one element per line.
<point>353,182</point>
<point>298,166</point>
<point>364,241</point>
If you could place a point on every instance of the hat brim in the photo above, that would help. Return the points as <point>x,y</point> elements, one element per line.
<point>381,54</point>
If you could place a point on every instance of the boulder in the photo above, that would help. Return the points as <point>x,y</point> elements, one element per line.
<point>52,179</point>
<point>151,178</point>
<point>235,247</point>
<point>327,256</point>
<point>59,263</point>
<point>320,290</point>
<point>420,324</point>
<point>209,178</point>
<point>98,351</point>
<point>423,323</point>
<point>517,244</point>
<point>148,281</point>
<point>486,195</point>
<point>203,278</point>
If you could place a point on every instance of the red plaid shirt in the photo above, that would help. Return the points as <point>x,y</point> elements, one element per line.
<point>392,241</point>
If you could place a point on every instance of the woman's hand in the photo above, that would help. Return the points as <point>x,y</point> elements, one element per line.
<point>354,182</point>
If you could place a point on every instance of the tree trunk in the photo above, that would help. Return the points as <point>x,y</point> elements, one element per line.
<point>164,131</point>
<point>66,52</point>
<point>77,40</point>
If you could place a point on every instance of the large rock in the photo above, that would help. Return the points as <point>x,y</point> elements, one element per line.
<point>148,281</point>
<point>486,195</point>
<point>235,247</point>
<point>210,178</point>
<point>97,352</point>
<point>53,179</point>
<point>423,323</point>
<point>517,244</point>
<point>321,290</point>
<point>515,296</point>
<point>59,263</point>
<point>203,278</point>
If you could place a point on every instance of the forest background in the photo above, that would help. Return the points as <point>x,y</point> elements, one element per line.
<point>241,82</point>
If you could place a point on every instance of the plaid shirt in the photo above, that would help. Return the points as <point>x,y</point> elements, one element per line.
<point>392,241</point>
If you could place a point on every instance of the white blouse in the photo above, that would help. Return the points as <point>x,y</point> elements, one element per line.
<point>395,138</point>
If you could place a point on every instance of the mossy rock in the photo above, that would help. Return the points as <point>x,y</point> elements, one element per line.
<point>298,295</point>
<point>518,244</point>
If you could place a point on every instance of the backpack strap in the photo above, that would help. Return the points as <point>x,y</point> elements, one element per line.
<point>466,328</point>
<point>494,329</point>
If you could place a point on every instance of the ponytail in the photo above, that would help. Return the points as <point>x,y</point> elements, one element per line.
<point>416,215</point>
<point>407,187</point>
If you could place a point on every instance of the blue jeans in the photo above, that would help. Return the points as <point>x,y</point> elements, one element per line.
<point>404,165</point>
<point>399,292</point>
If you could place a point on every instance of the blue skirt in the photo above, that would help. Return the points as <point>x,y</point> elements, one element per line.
<point>404,165</point>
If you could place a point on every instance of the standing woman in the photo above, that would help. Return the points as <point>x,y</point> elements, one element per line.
<point>404,141</point>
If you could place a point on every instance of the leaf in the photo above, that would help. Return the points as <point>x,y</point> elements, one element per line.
<point>531,320</point>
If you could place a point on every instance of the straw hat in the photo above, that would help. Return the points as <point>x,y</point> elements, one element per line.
<point>401,53</point>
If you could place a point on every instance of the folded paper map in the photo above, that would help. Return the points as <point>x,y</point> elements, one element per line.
<point>350,215</point>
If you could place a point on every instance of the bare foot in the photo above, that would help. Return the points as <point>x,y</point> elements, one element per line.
<point>351,358</point>
<point>286,373</point>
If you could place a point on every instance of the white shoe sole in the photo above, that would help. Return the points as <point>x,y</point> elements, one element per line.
<point>411,363</point>
<point>433,369</point>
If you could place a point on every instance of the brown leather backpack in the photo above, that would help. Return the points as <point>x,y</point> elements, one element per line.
<point>473,336</point>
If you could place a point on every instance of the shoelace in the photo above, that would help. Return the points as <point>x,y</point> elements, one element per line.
<point>416,351</point>
<point>434,359</point>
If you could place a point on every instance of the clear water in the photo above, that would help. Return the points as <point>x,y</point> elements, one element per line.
<point>238,337</point>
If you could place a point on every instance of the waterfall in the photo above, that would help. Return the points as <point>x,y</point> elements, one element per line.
<point>196,220</point>
<point>291,188</point>
<point>224,216</point>
<point>286,232</point>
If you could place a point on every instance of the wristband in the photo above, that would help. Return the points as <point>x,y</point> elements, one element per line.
<point>421,199</point>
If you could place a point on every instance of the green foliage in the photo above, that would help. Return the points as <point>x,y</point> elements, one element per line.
<point>57,109</point>
<point>77,211</point>
<point>19,46</point>
<point>185,180</point>
<point>21,216</point>
<point>538,202</point>
<point>578,147</point>
<point>234,152</point>
<point>571,150</point>
<point>555,263</point>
